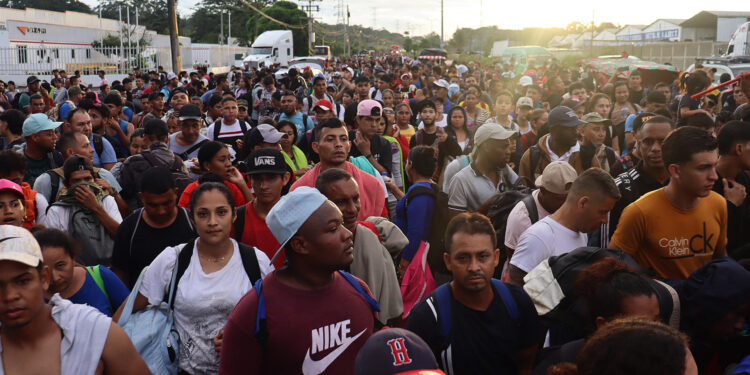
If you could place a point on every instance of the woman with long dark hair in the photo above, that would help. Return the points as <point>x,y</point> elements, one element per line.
<point>457,128</point>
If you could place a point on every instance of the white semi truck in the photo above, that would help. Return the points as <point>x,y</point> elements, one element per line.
<point>271,47</point>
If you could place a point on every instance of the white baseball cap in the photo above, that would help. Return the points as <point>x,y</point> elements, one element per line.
<point>291,212</point>
<point>18,245</point>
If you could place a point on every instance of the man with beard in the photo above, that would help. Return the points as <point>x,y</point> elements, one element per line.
<point>39,148</point>
<point>648,175</point>
<point>265,334</point>
<point>475,186</point>
<point>372,263</point>
<point>331,143</point>
<point>561,144</point>
<point>494,327</point>
<point>592,195</point>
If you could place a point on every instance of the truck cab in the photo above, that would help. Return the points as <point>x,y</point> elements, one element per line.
<point>271,47</point>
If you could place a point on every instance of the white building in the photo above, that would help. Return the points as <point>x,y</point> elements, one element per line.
<point>630,32</point>
<point>663,29</point>
<point>712,25</point>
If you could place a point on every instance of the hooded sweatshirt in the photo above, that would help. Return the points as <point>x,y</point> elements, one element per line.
<point>710,293</point>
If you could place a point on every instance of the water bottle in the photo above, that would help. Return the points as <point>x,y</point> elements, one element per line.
<point>385,177</point>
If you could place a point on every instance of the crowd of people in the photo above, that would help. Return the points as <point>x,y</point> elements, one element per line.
<point>380,216</point>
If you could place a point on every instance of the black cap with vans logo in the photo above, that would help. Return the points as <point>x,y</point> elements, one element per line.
<point>266,160</point>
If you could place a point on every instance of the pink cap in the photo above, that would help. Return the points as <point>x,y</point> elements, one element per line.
<point>10,185</point>
<point>369,107</point>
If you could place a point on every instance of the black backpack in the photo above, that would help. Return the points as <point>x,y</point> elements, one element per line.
<point>564,313</point>
<point>503,205</point>
<point>247,253</point>
<point>217,129</point>
<point>181,180</point>
<point>239,223</point>
<point>438,225</point>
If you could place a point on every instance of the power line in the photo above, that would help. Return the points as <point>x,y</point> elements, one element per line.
<point>271,18</point>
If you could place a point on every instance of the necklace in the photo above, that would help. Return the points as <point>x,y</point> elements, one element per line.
<point>213,260</point>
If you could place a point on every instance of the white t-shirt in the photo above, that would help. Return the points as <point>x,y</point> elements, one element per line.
<point>544,239</point>
<point>442,123</point>
<point>518,220</point>
<point>227,131</point>
<point>565,156</point>
<point>202,301</point>
<point>84,334</point>
<point>58,216</point>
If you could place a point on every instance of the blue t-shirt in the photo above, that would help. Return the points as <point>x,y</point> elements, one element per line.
<point>417,221</point>
<point>64,109</point>
<point>685,101</point>
<point>207,95</point>
<point>91,295</point>
<point>108,153</point>
<point>128,113</point>
<point>297,120</point>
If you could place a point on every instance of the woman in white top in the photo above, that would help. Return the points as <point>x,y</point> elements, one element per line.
<point>212,284</point>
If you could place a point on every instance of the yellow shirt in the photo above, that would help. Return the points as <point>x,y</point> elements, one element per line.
<point>408,133</point>
<point>672,241</point>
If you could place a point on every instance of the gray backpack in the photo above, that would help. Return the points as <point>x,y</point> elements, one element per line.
<point>97,245</point>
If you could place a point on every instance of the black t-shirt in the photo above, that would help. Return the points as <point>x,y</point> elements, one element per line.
<point>147,242</point>
<point>380,149</point>
<point>738,219</point>
<point>686,101</point>
<point>482,342</point>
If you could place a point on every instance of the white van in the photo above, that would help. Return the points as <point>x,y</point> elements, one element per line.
<point>271,47</point>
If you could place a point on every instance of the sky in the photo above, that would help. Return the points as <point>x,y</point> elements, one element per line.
<point>423,16</point>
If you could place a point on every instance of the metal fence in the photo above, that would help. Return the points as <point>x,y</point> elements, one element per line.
<point>41,60</point>
<point>679,54</point>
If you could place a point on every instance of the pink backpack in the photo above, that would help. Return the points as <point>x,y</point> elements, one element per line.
<point>418,281</point>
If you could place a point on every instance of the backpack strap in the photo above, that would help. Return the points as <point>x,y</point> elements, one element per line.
<point>674,317</point>
<point>138,212</point>
<point>98,144</point>
<point>535,153</point>
<point>304,120</point>
<point>250,262</point>
<point>276,118</point>
<point>374,306</point>
<point>96,274</point>
<point>432,191</point>
<point>217,129</point>
<point>239,224</point>
<point>183,261</point>
<point>54,182</point>
<point>528,201</point>
<point>186,155</point>
<point>243,127</point>
<point>465,158</point>
<point>508,300</point>
<point>261,331</point>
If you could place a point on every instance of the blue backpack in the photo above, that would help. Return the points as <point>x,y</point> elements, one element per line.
<point>261,330</point>
<point>441,304</point>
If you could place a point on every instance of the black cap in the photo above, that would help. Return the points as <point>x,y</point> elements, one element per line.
<point>154,95</point>
<point>189,112</point>
<point>656,96</point>
<point>156,127</point>
<point>77,163</point>
<point>32,79</point>
<point>292,72</point>
<point>177,90</point>
<point>266,160</point>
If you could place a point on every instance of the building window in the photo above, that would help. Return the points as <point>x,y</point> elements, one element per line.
<point>23,57</point>
<point>88,53</point>
<point>72,53</point>
<point>56,53</point>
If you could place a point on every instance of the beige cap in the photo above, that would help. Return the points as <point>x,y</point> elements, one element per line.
<point>525,101</point>
<point>18,245</point>
<point>491,131</point>
<point>557,177</point>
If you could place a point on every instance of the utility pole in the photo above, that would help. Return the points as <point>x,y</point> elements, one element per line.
<point>119,26</point>
<point>129,45</point>
<point>348,46</point>
<point>137,39</point>
<point>229,25</point>
<point>481,9</point>
<point>221,22</point>
<point>174,41</point>
<point>310,8</point>
<point>442,42</point>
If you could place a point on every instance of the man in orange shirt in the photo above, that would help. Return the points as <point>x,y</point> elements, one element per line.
<point>678,228</point>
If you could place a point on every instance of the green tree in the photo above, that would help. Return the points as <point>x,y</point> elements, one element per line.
<point>54,5</point>
<point>290,14</point>
<point>431,40</point>
<point>151,14</point>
